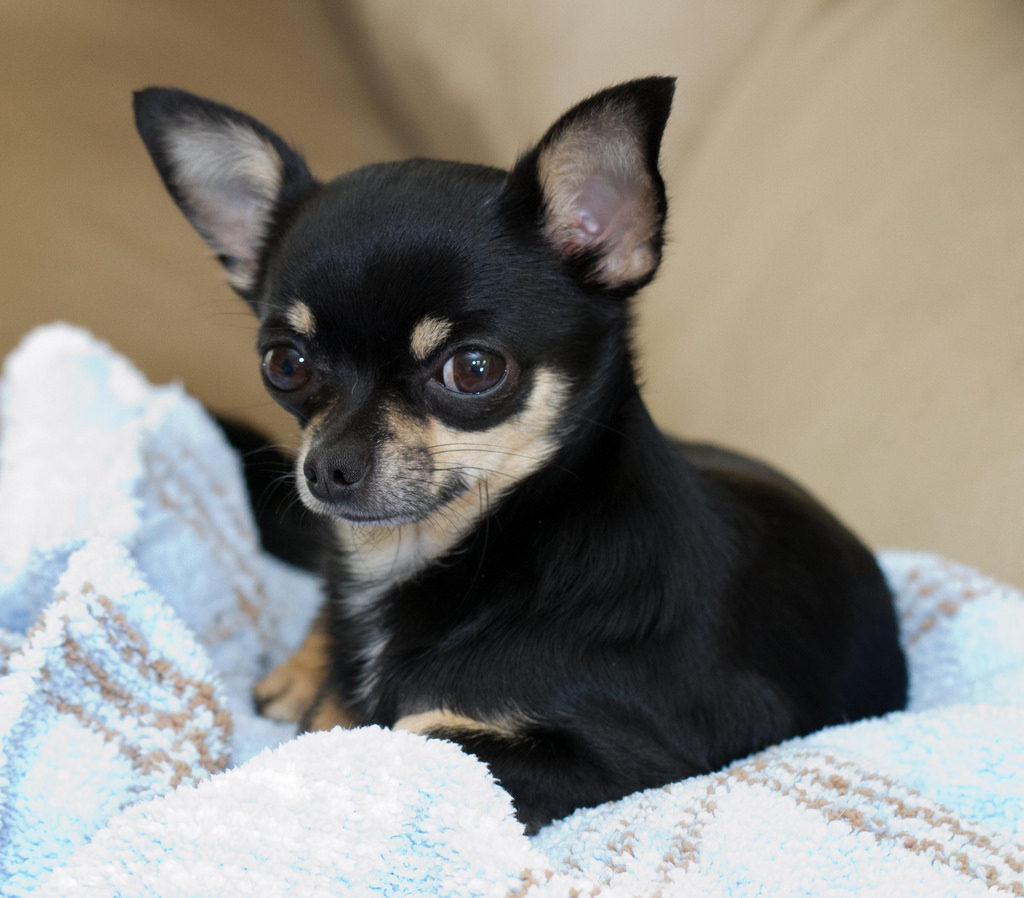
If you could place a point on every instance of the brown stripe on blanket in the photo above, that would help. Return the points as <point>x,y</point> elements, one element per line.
<point>920,593</point>
<point>169,477</point>
<point>197,694</point>
<point>823,783</point>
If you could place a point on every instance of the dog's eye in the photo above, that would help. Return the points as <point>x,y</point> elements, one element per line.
<point>473,371</point>
<point>285,368</point>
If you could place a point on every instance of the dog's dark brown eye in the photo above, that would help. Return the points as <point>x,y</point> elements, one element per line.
<point>473,371</point>
<point>285,368</point>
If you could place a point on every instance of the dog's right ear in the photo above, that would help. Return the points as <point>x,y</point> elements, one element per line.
<point>230,175</point>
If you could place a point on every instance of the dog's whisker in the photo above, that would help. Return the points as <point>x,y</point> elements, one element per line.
<point>490,472</point>
<point>472,447</point>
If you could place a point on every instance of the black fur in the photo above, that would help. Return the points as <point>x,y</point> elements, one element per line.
<point>642,611</point>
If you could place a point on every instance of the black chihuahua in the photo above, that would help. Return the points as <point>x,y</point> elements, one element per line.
<point>524,564</point>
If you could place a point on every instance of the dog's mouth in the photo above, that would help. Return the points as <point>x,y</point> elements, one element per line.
<point>389,504</point>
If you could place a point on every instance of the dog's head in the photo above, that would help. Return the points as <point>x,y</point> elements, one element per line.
<point>440,330</point>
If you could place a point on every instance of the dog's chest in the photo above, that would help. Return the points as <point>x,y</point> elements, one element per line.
<point>376,562</point>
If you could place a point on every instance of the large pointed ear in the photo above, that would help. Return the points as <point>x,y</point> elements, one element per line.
<point>595,178</point>
<point>229,174</point>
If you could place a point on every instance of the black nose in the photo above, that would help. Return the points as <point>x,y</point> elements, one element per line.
<point>334,473</point>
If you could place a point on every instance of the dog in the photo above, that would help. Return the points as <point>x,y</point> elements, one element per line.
<point>522,562</point>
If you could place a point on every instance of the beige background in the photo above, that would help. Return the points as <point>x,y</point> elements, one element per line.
<point>842,292</point>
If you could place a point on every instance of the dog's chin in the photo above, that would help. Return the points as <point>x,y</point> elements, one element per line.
<point>363,519</point>
<point>368,513</point>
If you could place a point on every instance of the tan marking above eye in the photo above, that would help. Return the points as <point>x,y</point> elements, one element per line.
<point>300,319</point>
<point>428,336</point>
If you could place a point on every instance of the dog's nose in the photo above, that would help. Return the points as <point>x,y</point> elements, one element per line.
<point>333,474</point>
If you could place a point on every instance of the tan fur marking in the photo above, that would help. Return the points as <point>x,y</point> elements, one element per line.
<point>290,689</point>
<point>301,319</point>
<point>390,554</point>
<point>428,336</point>
<point>432,721</point>
<point>503,455</point>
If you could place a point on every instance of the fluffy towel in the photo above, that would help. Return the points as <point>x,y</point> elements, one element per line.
<point>136,612</point>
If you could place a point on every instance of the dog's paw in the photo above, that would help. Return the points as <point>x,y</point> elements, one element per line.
<point>327,713</point>
<point>290,690</point>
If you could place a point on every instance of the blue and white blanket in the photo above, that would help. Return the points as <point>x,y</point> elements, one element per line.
<point>136,612</point>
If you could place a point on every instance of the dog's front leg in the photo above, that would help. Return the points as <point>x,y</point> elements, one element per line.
<point>292,690</point>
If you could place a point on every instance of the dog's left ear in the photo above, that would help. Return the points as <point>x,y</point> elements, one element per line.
<point>594,185</point>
